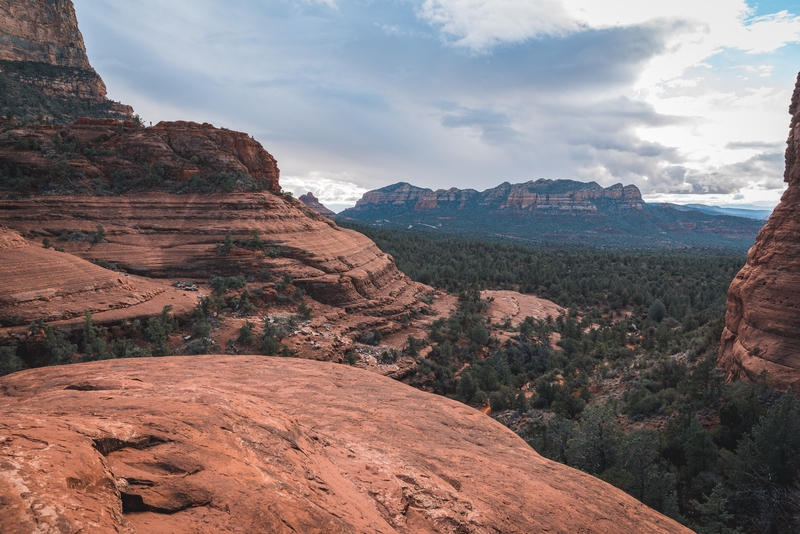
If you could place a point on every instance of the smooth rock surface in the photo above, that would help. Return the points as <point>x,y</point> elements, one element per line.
<point>257,444</point>
<point>761,325</point>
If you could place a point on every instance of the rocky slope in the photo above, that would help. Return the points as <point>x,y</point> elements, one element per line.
<point>182,191</point>
<point>313,202</point>
<point>761,331</point>
<point>44,69</point>
<point>560,211</point>
<point>44,283</point>
<point>245,444</point>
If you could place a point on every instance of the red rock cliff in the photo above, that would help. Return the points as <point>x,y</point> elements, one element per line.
<point>41,31</point>
<point>761,326</point>
<point>42,55</point>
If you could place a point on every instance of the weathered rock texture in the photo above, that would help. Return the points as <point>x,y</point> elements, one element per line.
<point>44,68</point>
<point>313,202</point>
<point>41,31</point>
<point>553,210</point>
<point>44,283</point>
<point>256,444</point>
<point>762,323</point>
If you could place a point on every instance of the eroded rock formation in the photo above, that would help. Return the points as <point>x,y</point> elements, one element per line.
<point>44,69</point>
<point>313,202</point>
<point>257,444</point>
<point>761,325</point>
<point>41,31</point>
<point>563,195</point>
<point>106,155</point>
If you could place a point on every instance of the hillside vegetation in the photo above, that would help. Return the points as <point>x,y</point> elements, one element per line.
<point>625,386</point>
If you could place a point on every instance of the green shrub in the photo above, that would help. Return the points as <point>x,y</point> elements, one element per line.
<point>158,330</point>
<point>9,361</point>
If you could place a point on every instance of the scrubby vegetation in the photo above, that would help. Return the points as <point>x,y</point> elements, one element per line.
<point>624,385</point>
<point>27,103</point>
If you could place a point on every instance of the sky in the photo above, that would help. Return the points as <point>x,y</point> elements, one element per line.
<point>686,99</point>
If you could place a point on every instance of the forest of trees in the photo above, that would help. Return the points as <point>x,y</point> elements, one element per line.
<point>624,386</point>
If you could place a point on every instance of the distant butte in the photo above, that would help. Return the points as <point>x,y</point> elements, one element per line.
<point>761,326</point>
<point>312,202</point>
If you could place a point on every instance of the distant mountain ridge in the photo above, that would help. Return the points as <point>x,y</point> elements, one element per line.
<point>554,211</point>
<point>759,214</point>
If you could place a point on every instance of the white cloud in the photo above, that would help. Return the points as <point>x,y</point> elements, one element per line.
<point>329,188</point>
<point>478,25</point>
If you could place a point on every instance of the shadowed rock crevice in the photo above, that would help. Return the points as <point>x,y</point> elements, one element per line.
<point>106,446</point>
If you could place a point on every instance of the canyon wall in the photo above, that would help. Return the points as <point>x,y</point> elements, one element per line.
<point>41,31</point>
<point>761,325</point>
<point>45,72</point>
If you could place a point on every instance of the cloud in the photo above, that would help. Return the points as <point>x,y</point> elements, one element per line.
<point>328,188</point>
<point>671,96</point>
<point>752,145</point>
<point>493,126</point>
<point>479,25</point>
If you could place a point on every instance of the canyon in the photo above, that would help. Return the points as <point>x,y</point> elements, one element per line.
<point>761,333</point>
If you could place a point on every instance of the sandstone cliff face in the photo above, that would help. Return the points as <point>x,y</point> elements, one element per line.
<point>44,69</point>
<point>761,326</point>
<point>313,202</point>
<point>258,444</point>
<point>563,195</point>
<point>41,31</point>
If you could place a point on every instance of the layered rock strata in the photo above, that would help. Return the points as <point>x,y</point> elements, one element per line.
<point>52,285</point>
<point>761,325</point>
<point>563,195</point>
<point>41,31</point>
<point>258,444</point>
<point>106,155</point>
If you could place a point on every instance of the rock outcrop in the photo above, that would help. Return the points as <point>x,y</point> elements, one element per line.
<point>168,198</point>
<point>44,283</point>
<point>41,31</point>
<point>258,444</point>
<point>563,195</point>
<point>44,70</point>
<point>761,325</point>
<point>563,211</point>
<point>105,155</point>
<point>313,202</point>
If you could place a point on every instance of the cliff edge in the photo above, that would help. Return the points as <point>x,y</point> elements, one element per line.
<point>45,74</point>
<point>761,331</point>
